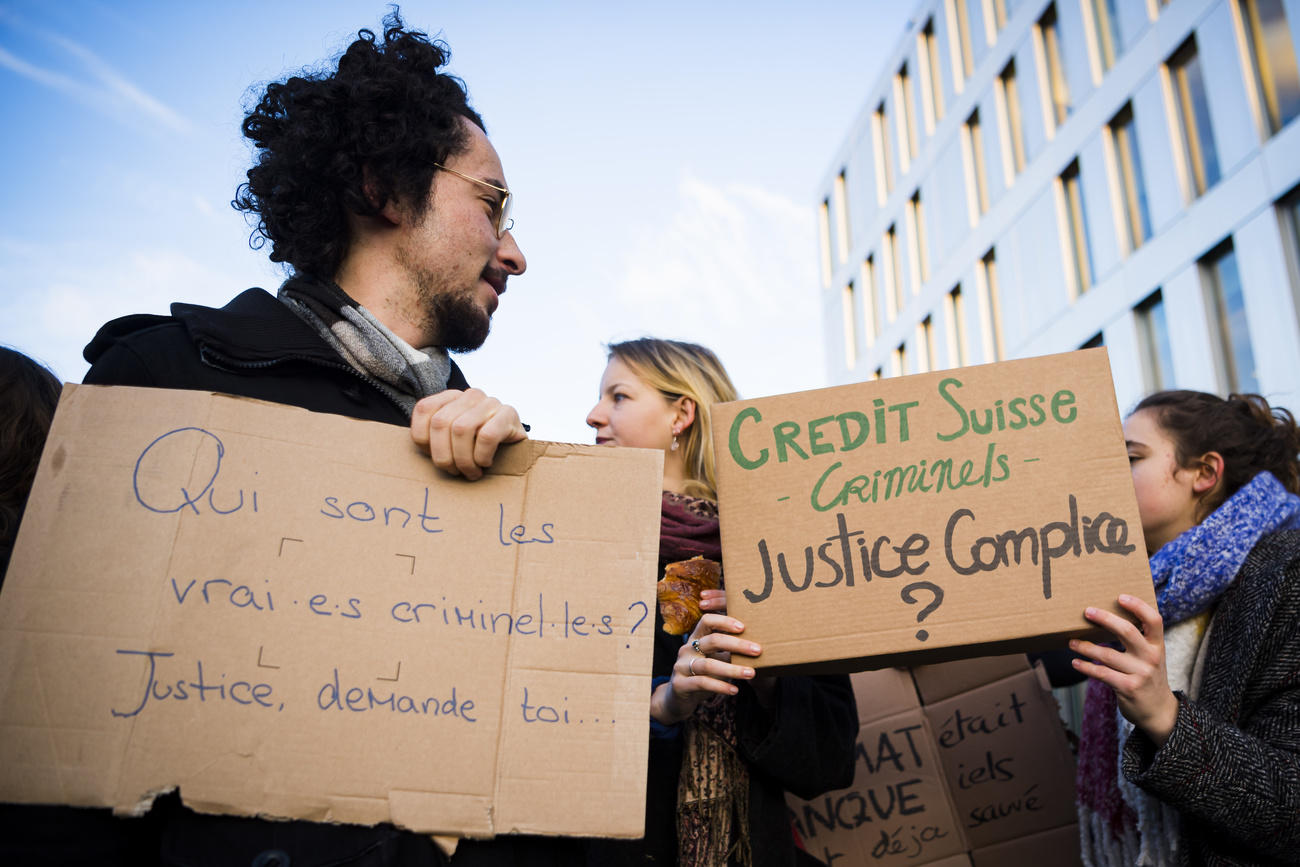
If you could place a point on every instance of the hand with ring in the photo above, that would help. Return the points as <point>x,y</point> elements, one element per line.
<point>703,668</point>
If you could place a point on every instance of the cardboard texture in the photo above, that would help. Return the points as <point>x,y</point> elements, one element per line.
<point>293,614</point>
<point>1005,754</point>
<point>1058,847</point>
<point>934,683</point>
<point>987,769</point>
<point>925,518</point>
<point>896,812</point>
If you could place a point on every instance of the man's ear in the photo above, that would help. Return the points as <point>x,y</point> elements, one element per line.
<point>391,212</point>
<point>1209,472</point>
<point>685,411</point>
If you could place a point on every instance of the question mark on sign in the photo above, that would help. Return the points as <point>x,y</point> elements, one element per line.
<point>910,598</point>
<point>645,612</point>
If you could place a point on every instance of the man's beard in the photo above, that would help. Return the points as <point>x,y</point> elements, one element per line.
<point>459,323</point>
<point>454,317</point>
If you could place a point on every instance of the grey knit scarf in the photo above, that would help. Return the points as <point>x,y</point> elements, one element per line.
<point>392,365</point>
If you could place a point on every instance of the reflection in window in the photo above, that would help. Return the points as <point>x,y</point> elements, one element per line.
<point>870,300</point>
<point>977,184</point>
<point>894,290</point>
<point>906,118</point>
<point>916,229</point>
<point>1272,58</point>
<point>926,360</point>
<point>1080,251</point>
<point>1227,307</point>
<point>884,166</point>
<point>990,308</point>
<point>931,85</point>
<point>1153,337</point>
<point>850,326</point>
<point>955,313</point>
<point>1132,186</point>
<point>824,231</point>
<point>841,217</point>
<point>1058,88</point>
<point>1105,20</point>
<point>1194,117</point>
<point>959,30</point>
<point>1013,132</point>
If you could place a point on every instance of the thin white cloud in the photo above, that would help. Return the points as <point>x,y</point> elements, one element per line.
<point>102,88</point>
<point>733,269</point>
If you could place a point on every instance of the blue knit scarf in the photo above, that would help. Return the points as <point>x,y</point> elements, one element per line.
<point>1193,570</point>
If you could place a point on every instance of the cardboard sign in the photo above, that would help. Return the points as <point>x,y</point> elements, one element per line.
<point>1005,755</point>
<point>929,517</point>
<point>294,615</point>
<point>897,811</point>
<point>986,769</point>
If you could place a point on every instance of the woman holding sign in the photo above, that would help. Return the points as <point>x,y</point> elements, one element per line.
<point>1209,686</point>
<point>725,744</point>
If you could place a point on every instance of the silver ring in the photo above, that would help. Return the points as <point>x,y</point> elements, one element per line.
<point>695,645</point>
<point>690,666</point>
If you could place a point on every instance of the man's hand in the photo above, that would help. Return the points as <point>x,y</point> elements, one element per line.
<point>462,429</point>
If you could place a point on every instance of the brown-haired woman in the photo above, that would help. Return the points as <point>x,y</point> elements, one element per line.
<point>725,745</point>
<point>1190,750</point>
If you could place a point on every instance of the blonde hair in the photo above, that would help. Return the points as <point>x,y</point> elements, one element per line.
<point>678,369</point>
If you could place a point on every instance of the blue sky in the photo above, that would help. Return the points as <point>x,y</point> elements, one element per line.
<point>665,158</point>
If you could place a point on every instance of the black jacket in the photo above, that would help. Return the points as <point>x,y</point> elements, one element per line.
<point>1231,766</point>
<point>253,347</point>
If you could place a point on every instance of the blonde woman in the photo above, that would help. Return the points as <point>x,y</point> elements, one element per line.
<point>725,744</point>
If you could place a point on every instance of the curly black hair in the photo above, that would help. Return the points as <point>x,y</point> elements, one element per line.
<point>350,141</point>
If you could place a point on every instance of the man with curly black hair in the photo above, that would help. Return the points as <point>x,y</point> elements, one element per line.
<point>378,188</point>
<point>376,185</point>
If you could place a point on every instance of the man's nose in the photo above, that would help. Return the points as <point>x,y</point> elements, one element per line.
<point>511,257</point>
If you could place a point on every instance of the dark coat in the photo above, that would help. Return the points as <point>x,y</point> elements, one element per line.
<point>1231,767</point>
<point>253,347</point>
<point>804,743</point>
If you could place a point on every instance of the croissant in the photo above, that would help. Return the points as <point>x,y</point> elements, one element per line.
<point>678,592</point>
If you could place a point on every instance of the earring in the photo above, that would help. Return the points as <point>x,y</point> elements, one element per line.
<point>674,445</point>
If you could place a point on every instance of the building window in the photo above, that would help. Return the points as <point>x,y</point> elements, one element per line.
<point>870,301</point>
<point>931,85</point>
<point>977,184</point>
<point>1013,133</point>
<point>824,230</point>
<point>1058,88</point>
<point>990,308</point>
<point>1272,59</point>
<point>1153,340</point>
<point>1289,213</point>
<point>959,28</point>
<point>1076,229</point>
<point>850,327</point>
<point>1193,111</point>
<point>893,279</point>
<point>878,374</point>
<point>884,167</point>
<point>906,119</point>
<point>955,313</point>
<point>841,217</point>
<point>1093,342</point>
<point>1227,310</point>
<point>920,255</point>
<point>1105,26</point>
<point>1136,222</point>
<point>995,12</point>
<point>926,360</point>
<point>898,361</point>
